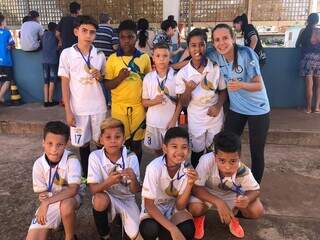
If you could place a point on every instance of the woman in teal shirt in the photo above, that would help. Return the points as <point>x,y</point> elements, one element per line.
<point>249,102</point>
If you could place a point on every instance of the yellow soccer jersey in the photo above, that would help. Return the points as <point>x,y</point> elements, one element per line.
<point>130,90</point>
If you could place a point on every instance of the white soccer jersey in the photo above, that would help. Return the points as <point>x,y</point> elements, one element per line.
<point>67,171</point>
<point>160,187</point>
<point>86,94</point>
<point>209,177</point>
<point>159,116</point>
<point>202,97</point>
<point>100,167</point>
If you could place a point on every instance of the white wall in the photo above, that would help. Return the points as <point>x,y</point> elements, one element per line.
<point>171,7</point>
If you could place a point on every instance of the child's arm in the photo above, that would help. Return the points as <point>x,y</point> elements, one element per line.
<point>242,202</point>
<point>154,212</point>
<point>113,178</point>
<point>214,110</point>
<point>123,74</point>
<point>183,199</point>
<point>66,99</point>
<point>224,211</point>
<point>175,116</point>
<point>152,102</point>
<point>69,192</point>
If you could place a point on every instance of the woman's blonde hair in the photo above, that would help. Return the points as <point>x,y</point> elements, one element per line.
<point>109,123</point>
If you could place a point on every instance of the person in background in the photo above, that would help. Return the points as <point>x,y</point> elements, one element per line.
<point>65,33</point>
<point>106,38</point>
<point>31,33</point>
<point>145,37</point>
<point>251,36</point>
<point>50,63</point>
<point>6,71</point>
<point>169,27</point>
<point>106,41</point>
<point>310,60</point>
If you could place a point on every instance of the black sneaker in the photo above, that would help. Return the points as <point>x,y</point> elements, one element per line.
<point>53,103</point>
<point>46,104</point>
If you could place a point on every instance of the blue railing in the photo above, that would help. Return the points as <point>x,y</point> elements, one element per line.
<point>281,75</point>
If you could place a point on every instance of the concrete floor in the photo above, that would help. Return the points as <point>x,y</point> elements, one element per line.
<point>290,193</point>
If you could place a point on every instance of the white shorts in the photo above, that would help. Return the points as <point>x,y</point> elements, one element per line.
<point>203,141</point>
<point>129,212</point>
<point>87,129</point>
<point>227,198</point>
<point>53,217</point>
<point>154,137</point>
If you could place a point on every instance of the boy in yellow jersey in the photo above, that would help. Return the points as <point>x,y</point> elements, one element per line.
<point>125,70</point>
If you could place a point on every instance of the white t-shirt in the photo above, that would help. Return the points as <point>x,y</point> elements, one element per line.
<point>159,116</point>
<point>202,97</point>
<point>86,94</point>
<point>67,171</point>
<point>209,177</point>
<point>31,33</point>
<point>160,187</point>
<point>100,168</point>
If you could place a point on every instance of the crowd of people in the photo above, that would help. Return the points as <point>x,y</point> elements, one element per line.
<point>218,86</point>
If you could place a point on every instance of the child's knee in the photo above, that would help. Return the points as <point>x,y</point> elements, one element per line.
<point>256,210</point>
<point>67,207</point>
<point>100,201</point>
<point>197,209</point>
<point>149,229</point>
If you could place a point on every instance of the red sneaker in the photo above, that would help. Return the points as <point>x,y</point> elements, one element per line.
<point>235,228</point>
<point>199,227</point>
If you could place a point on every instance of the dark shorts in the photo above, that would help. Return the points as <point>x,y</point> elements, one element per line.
<point>310,65</point>
<point>6,74</point>
<point>50,73</point>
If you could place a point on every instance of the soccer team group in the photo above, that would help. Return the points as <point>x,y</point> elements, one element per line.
<point>146,105</point>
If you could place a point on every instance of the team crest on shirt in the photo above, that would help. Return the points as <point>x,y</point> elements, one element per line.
<point>239,69</point>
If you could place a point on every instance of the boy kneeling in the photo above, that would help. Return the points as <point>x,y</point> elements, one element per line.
<point>56,178</point>
<point>113,178</point>
<point>225,184</point>
<point>166,190</point>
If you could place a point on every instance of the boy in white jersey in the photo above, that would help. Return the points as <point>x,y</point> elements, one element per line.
<point>113,178</point>
<point>203,90</point>
<point>81,68</point>
<point>158,95</point>
<point>166,190</point>
<point>225,184</point>
<point>56,178</point>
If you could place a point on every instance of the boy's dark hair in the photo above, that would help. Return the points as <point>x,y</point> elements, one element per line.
<point>52,26</point>
<point>161,46</point>
<point>85,19</point>
<point>33,14</point>
<point>197,32</point>
<point>58,128</point>
<point>176,132</point>
<point>74,7</point>
<point>128,25</point>
<point>26,19</point>
<point>1,18</point>
<point>166,24</point>
<point>227,142</point>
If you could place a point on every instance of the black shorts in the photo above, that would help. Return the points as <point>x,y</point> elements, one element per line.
<point>6,74</point>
